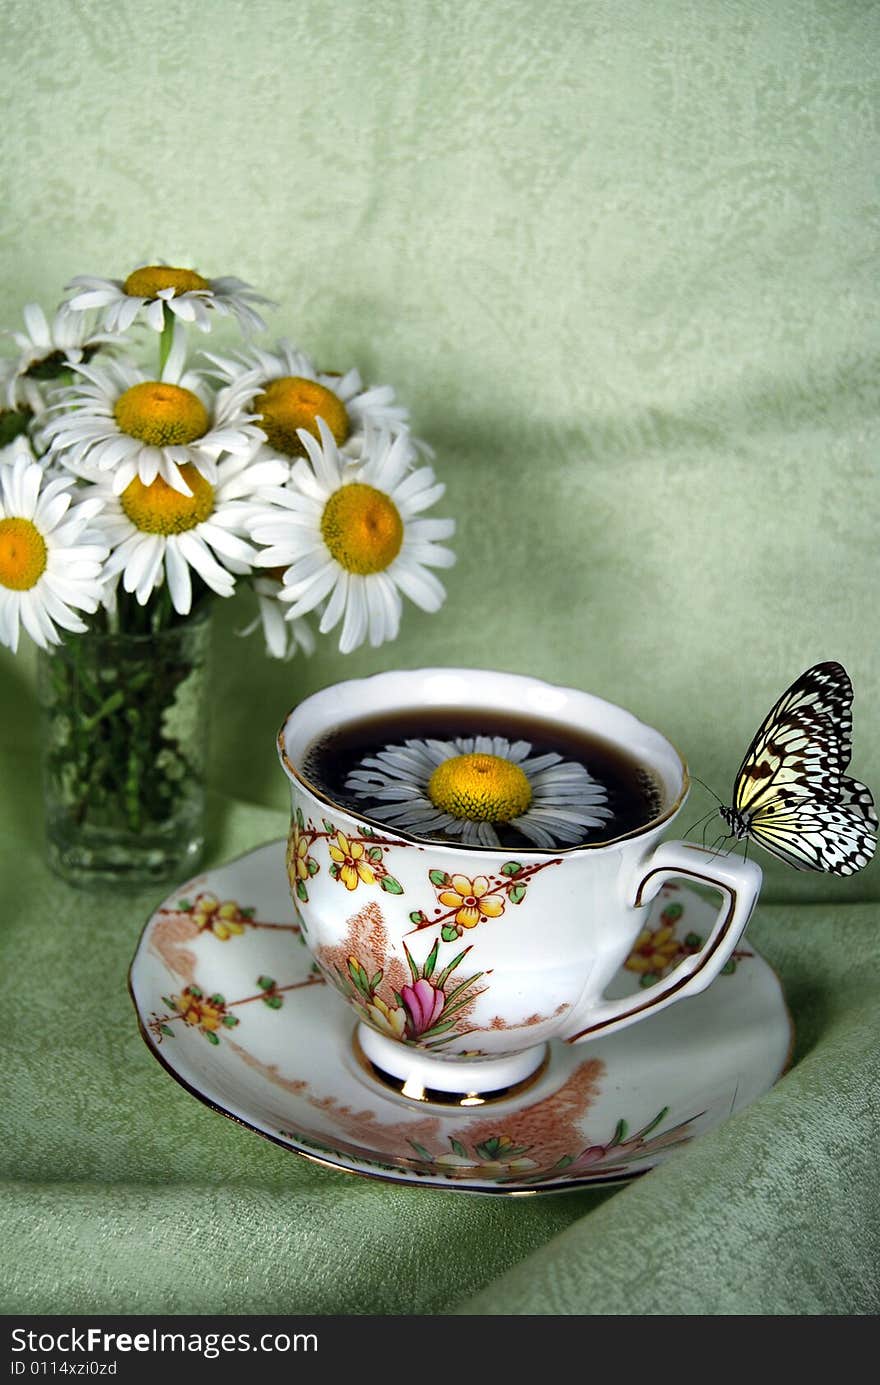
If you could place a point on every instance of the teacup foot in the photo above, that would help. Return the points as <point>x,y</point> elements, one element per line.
<point>444,1081</point>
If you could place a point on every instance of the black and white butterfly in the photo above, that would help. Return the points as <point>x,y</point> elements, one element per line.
<point>791,793</point>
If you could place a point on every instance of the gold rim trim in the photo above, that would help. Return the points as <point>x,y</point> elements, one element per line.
<point>433,1096</point>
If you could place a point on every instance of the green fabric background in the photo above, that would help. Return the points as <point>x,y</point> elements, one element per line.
<point>620,259</point>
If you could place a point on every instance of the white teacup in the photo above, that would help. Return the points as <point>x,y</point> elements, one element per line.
<point>452,1013</point>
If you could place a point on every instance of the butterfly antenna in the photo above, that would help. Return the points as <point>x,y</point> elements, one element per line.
<point>706,787</point>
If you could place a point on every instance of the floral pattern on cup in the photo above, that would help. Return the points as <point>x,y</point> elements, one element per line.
<point>352,860</point>
<point>467,901</point>
<point>429,1010</point>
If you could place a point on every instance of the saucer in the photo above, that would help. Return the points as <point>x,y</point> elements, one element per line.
<point>231,1004</point>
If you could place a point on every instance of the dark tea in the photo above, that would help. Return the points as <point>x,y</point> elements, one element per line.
<point>632,796</point>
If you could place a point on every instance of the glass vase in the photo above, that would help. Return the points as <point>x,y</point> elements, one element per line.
<point>124,754</point>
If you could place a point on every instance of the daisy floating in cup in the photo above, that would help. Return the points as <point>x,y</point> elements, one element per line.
<point>50,557</point>
<point>287,393</point>
<point>473,786</point>
<point>152,291</point>
<point>351,535</point>
<point>123,420</point>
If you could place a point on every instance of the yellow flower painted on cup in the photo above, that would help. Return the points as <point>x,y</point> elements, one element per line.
<point>351,867</point>
<point>299,854</point>
<point>471,900</point>
<point>390,1019</point>
<point>654,951</point>
<point>223,920</point>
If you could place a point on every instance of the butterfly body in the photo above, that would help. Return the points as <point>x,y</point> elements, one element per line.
<point>791,794</point>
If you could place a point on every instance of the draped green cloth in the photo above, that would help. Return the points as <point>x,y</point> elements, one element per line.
<point>620,261</point>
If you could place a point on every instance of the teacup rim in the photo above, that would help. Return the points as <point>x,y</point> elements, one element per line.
<point>456,848</point>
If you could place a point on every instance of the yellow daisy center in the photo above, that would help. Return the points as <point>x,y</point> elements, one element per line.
<point>160,509</point>
<point>146,282</point>
<point>362,528</point>
<point>293,402</point>
<point>482,788</point>
<point>22,554</point>
<point>161,415</point>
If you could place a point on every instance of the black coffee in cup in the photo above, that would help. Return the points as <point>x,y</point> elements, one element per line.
<point>632,796</point>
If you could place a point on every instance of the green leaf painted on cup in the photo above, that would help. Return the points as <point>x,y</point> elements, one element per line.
<point>301,891</point>
<point>165,1029</point>
<point>274,1002</point>
<point>449,933</point>
<point>375,853</point>
<point>418,917</point>
<point>390,885</point>
<point>328,827</point>
<point>265,983</point>
<point>438,877</point>
<point>517,894</point>
<point>511,868</point>
<point>212,1038</point>
<point>430,961</point>
<point>230,1021</point>
<point>184,906</point>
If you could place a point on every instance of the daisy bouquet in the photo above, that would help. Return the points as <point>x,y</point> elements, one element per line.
<point>141,480</point>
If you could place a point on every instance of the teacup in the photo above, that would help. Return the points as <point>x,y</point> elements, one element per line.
<point>457,1004</point>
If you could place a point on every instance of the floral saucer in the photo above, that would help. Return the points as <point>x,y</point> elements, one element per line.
<point>231,1004</point>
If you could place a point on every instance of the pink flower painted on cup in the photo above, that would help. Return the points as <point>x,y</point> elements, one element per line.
<point>424,1004</point>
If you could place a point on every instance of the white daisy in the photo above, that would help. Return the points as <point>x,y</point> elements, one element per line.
<point>284,638</point>
<point>470,786</point>
<point>50,557</point>
<point>119,419</point>
<point>45,352</point>
<point>156,533</point>
<point>151,288</point>
<point>287,392</point>
<point>350,535</point>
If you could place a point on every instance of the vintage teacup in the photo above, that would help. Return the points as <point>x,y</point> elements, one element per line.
<point>460,962</point>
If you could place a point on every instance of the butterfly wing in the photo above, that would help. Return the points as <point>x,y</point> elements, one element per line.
<point>791,793</point>
<point>795,754</point>
<point>808,834</point>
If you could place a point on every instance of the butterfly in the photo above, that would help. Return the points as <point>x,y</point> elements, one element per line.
<point>791,793</point>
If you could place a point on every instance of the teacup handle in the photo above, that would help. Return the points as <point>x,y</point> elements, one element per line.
<point>739,882</point>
